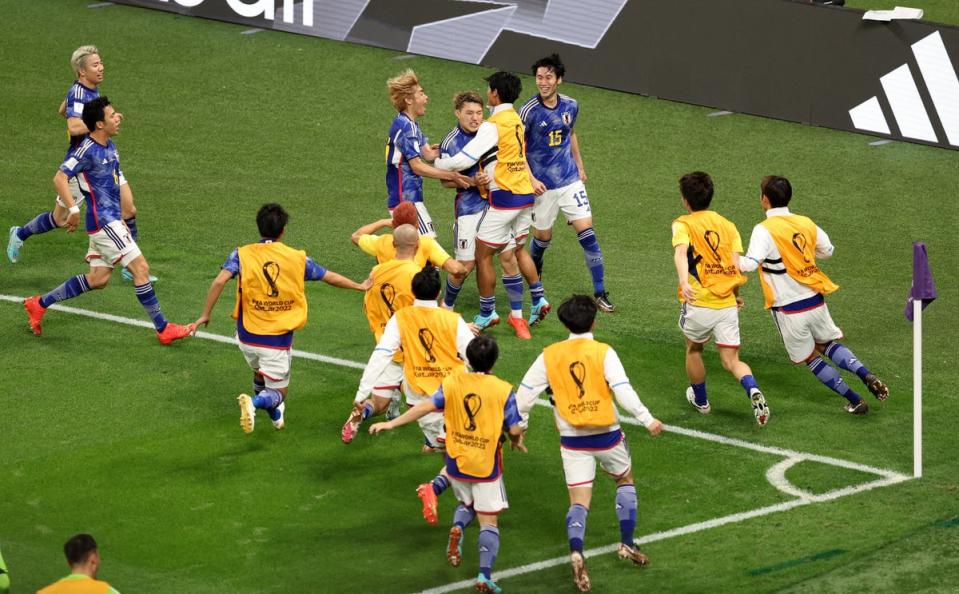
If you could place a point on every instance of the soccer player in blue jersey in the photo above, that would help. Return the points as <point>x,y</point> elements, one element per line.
<point>87,64</point>
<point>552,150</point>
<point>408,150</point>
<point>470,205</point>
<point>97,165</point>
<point>270,305</point>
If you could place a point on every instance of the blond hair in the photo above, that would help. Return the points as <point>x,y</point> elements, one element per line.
<point>402,87</point>
<point>79,58</point>
<point>466,97</point>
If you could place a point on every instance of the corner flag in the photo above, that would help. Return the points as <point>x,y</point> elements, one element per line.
<point>923,287</point>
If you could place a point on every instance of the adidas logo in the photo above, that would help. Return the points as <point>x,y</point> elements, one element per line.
<point>543,124</point>
<point>905,101</point>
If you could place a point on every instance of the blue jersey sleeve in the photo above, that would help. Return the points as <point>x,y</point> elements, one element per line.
<point>232,263</point>
<point>409,142</point>
<point>74,164</point>
<point>511,412</point>
<point>314,271</point>
<point>574,114</point>
<point>73,105</point>
<point>439,398</point>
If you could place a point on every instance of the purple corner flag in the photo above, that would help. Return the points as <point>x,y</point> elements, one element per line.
<point>923,287</point>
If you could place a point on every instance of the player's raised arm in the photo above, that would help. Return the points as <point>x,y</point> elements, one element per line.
<point>340,281</point>
<point>414,414</point>
<point>424,169</point>
<point>370,229</point>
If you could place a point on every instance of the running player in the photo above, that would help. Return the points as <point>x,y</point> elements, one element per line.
<point>434,344</point>
<point>585,376</point>
<point>270,305</point>
<point>391,291</point>
<point>96,161</point>
<point>707,248</point>
<point>785,247</point>
<point>477,407</point>
<point>88,66</point>
<point>557,165</point>
<point>408,150</point>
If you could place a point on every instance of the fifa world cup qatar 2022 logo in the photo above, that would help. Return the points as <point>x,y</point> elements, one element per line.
<point>577,371</point>
<point>427,340</point>
<point>388,295</point>
<point>271,272</point>
<point>472,404</point>
<point>712,240</point>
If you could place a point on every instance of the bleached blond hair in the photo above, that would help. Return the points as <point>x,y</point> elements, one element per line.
<point>402,87</point>
<point>79,58</point>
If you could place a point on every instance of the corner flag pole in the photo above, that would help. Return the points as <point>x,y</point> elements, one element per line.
<point>921,293</point>
<point>917,388</point>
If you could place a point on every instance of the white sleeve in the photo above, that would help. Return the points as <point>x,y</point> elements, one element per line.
<point>464,336</point>
<point>379,360</point>
<point>824,247</point>
<point>626,396</point>
<point>533,384</point>
<point>486,138</point>
<point>759,243</point>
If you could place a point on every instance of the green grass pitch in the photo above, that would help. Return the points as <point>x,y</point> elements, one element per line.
<point>104,431</point>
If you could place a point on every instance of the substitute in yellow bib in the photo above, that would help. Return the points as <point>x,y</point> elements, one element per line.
<point>477,407</point>
<point>706,253</point>
<point>270,305</point>
<point>785,248</point>
<point>84,560</point>
<point>391,291</point>
<point>434,344</point>
<point>585,377</point>
<point>511,200</point>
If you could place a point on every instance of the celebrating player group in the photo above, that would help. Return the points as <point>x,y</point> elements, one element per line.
<point>512,173</point>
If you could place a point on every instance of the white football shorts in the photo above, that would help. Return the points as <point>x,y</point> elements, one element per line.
<point>272,364</point>
<point>112,244</point>
<point>699,323</point>
<point>498,227</point>
<point>802,331</point>
<point>485,498</point>
<point>580,465</point>
<point>571,199</point>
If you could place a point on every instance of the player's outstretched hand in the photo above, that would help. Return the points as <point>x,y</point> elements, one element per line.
<point>538,186</point>
<point>430,152</point>
<point>481,179</point>
<point>461,180</point>
<point>72,221</point>
<point>739,302</point>
<point>656,428</point>
<point>202,321</point>
<point>688,293</point>
<point>380,427</point>
<point>517,443</point>
<point>366,284</point>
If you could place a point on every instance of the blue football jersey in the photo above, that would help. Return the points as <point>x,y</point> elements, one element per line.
<point>403,144</point>
<point>468,201</point>
<point>76,98</point>
<point>97,169</point>
<point>548,148</point>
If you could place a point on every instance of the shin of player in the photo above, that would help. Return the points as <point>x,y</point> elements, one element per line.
<point>477,407</point>
<point>707,248</point>
<point>586,376</point>
<point>270,305</point>
<point>95,161</point>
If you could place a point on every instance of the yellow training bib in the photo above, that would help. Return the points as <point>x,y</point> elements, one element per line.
<point>576,370</point>
<point>428,336</point>
<point>474,420</point>
<point>271,289</point>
